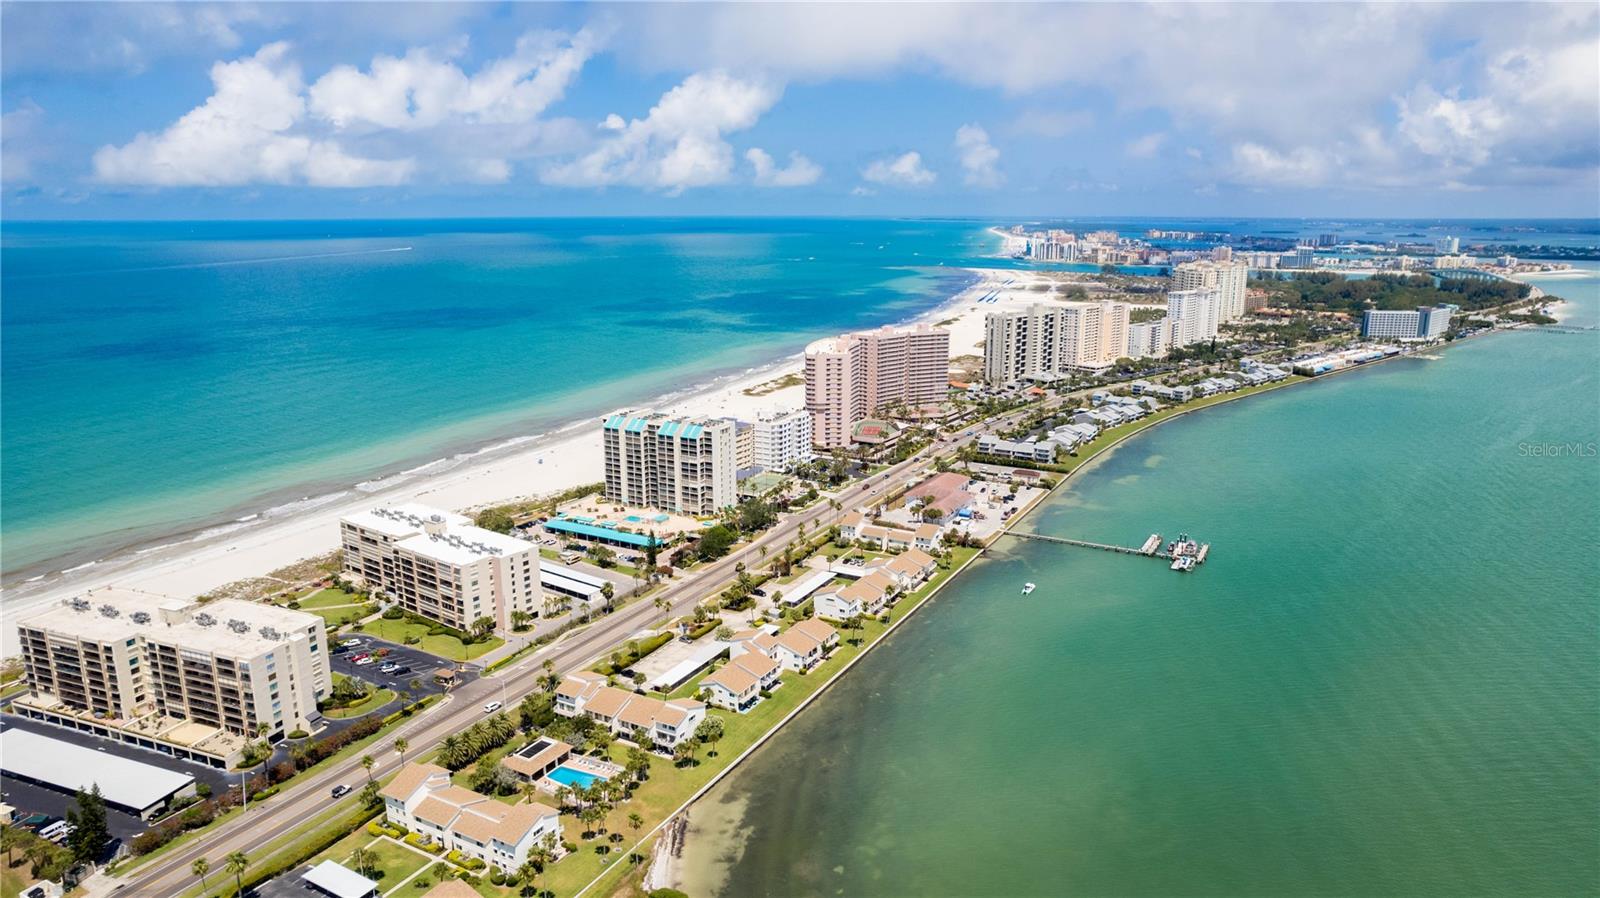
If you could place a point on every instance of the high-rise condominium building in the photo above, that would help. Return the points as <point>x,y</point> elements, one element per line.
<point>124,654</point>
<point>438,565</point>
<point>783,439</point>
<point>684,465</point>
<point>1228,278</point>
<point>1046,340</point>
<point>855,376</point>
<point>1150,339</point>
<point>1193,315</point>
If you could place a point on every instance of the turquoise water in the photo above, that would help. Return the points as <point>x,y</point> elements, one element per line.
<point>1384,682</point>
<point>161,377</point>
<point>567,776</point>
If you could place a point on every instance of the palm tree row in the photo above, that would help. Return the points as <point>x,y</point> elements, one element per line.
<point>459,750</point>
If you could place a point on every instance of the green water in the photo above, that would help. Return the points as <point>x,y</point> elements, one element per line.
<point>1386,680</point>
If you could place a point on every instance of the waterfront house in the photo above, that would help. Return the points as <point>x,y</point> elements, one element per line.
<point>738,684</point>
<point>647,721</point>
<point>910,568</point>
<point>867,595</point>
<point>802,646</point>
<point>927,537</point>
<point>421,798</point>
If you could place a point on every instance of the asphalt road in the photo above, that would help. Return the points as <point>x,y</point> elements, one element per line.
<point>310,796</point>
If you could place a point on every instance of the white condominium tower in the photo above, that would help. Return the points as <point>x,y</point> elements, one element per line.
<point>1227,278</point>
<point>229,664</point>
<point>684,465</point>
<point>1045,340</point>
<point>438,565</point>
<point>1150,339</point>
<point>783,439</point>
<point>1193,315</point>
<point>1022,343</point>
<point>854,376</point>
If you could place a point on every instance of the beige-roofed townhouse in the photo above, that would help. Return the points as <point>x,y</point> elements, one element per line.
<point>850,526</point>
<point>422,799</point>
<point>927,538</point>
<point>738,684</point>
<point>647,721</point>
<point>868,595</point>
<point>911,567</point>
<point>801,647</point>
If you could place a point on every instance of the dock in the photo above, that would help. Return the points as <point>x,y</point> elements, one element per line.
<point>1152,548</point>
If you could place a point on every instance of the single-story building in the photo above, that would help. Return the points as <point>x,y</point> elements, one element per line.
<point>125,784</point>
<point>334,879</point>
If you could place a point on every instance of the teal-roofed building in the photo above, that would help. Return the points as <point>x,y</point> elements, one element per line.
<point>677,464</point>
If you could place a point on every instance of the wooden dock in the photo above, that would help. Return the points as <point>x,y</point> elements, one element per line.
<point>1151,548</point>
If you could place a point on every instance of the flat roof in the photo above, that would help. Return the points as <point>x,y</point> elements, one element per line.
<point>335,879</point>
<point>804,588</point>
<point>123,781</point>
<point>632,539</point>
<point>701,656</point>
<point>560,570</point>
<point>227,627</point>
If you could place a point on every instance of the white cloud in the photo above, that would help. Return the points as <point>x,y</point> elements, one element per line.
<point>800,172</point>
<point>679,144</point>
<point>19,129</point>
<point>978,157</point>
<point>859,190</point>
<point>243,134</point>
<point>1302,167</point>
<point>905,170</point>
<point>1147,146</point>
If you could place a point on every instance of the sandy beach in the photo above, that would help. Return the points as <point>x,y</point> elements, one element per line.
<point>568,457</point>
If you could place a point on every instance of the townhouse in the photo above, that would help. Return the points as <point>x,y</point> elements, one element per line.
<point>645,721</point>
<point>421,798</point>
<point>738,684</point>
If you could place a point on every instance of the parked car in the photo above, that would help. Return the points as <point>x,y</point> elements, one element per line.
<point>361,662</point>
<point>350,643</point>
<point>389,668</point>
<point>360,658</point>
<point>401,669</point>
<point>341,790</point>
<point>491,707</point>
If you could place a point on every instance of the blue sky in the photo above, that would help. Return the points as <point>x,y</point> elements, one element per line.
<point>373,109</point>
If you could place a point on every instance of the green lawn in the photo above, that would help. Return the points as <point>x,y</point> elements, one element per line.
<point>446,646</point>
<point>374,700</point>
<point>394,863</point>
<point>327,598</point>
<point>669,786</point>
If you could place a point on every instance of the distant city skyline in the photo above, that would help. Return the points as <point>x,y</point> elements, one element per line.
<point>1009,111</point>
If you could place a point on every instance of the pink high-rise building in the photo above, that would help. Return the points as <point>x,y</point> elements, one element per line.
<point>855,376</point>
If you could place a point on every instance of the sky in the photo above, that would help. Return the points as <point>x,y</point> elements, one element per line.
<point>301,110</point>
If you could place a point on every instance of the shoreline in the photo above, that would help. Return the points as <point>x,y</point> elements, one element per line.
<point>672,869</point>
<point>216,553</point>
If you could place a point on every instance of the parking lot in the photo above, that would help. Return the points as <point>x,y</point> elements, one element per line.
<point>415,663</point>
<point>29,798</point>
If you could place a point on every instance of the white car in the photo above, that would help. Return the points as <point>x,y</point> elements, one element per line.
<point>491,707</point>
<point>350,643</point>
<point>365,661</point>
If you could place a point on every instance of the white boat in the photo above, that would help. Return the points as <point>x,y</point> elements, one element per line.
<point>1028,588</point>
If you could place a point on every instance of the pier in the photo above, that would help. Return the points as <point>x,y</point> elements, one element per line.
<point>1152,548</point>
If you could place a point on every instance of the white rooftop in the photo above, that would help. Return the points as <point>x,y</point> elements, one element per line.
<point>339,881</point>
<point>404,520</point>
<point>122,781</point>
<point>457,542</point>
<point>228,627</point>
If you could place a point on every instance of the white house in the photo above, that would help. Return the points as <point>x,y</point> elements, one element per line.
<point>927,538</point>
<point>799,648</point>
<point>867,595</point>
<point>422,799</point>
<point>911,567</point>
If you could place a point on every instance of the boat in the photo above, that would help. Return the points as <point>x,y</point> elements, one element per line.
<point>1183,563</point>
<point>1028,588</point>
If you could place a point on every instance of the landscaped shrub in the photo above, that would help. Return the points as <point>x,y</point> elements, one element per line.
<point>374,828</point>
<point>393,613</point>
<point>298,734</point>
<point>497,878</point>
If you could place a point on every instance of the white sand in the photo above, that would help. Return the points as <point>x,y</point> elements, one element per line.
<point>538,468</point>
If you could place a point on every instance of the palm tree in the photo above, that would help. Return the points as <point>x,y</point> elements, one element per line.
<point>238,862</point>
<point>635,822</point>
<point>400,746</point>
<point>529,790</point>
<point>367,763</point>
<point>200,868</point>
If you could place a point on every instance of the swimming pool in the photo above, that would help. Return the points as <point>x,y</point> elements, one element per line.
<point>571,776</point>
<point>633,519</point>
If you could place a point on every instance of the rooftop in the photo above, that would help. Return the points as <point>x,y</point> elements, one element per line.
<point>228,627</point>
<point>333,878</point>
<point>575,528</point>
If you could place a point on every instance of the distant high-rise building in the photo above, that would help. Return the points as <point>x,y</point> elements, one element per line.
<point>1305,256</point>
<point>1221,253</point>
<point>854,376</point>
<point>687,465</point>
<point>1227,278</point>
<point>1193,314</point>
<point>1447,245</point>
<point>1093,334</point>
<point>1045,340</point>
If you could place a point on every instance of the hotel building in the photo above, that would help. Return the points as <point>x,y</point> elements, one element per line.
<point>854,376</point>
<point>438,565</point>
<point>1227,278</point>
<point>684,465</point>
<point>783,440</point>
<point>1150,339</point>
<point>1193,315</point>
<point>121,654</point>
<point>1426,323</point>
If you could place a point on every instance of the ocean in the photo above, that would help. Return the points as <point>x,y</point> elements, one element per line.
<point>161,380</point>
<point>1385,681</point>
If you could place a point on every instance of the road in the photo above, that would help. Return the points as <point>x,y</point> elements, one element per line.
<point>310,796</point>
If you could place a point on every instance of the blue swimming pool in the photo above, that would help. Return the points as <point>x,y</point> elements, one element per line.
<point>568,776</point>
